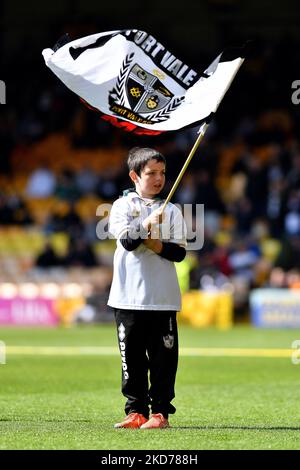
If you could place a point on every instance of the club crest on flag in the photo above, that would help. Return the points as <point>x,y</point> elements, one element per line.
<point>141,96</point>
<point>145,92</point>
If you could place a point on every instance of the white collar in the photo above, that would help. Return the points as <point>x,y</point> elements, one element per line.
<point>148,201</point>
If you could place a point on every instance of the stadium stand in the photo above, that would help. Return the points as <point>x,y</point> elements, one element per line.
<point>246,173</point>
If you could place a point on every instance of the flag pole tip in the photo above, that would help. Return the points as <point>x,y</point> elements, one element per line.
<point>63,40</point>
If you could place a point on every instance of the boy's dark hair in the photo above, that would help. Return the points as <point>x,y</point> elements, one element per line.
<point>139,157</point>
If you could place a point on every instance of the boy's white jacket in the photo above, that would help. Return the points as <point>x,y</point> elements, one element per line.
<point>143,280</point>
<point>137,84</point>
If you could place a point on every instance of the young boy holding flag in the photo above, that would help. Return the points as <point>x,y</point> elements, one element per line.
<point>145,292</point>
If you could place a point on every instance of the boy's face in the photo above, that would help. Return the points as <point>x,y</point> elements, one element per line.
<point>152,179</point>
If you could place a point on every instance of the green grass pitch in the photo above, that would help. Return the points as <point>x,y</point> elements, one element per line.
<point>61,401</point>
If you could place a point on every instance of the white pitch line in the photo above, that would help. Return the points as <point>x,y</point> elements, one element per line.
<point>63,350</point>
<point>236,352</point>
<point>113,351</point>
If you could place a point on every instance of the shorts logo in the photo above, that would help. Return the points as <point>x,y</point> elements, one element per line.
<point>2,92</point>
<point>168,341</point>
<point>121,332</point>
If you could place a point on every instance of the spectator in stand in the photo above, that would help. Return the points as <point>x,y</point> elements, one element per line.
<point>293,176</point>
<point>48,258</point>
<point>80,253</point>
<point>292,216</point>
<point>13,211</point>
<point>289,256</point>
<point>6,212</point>
<point>66,188</point>
<point>242,212</point>
<point>256,182</point>
<point>86,181</point>
<point>41,183</point>
<point>207,193</point>
<point>20,210</point>
<point>242,259</point>
<point>70,222</point>
<point>107,186</point>
<point>186,192</point>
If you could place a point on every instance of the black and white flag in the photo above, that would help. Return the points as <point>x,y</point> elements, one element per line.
<point>136,83</point>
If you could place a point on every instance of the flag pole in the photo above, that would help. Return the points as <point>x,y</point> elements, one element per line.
<point>189,158</point>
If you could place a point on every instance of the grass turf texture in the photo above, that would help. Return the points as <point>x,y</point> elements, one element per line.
<point>72,402</point>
